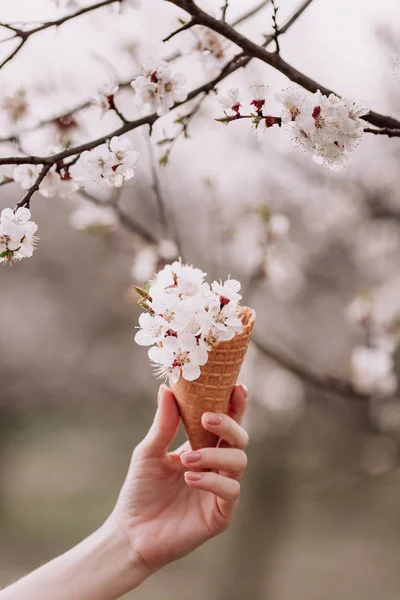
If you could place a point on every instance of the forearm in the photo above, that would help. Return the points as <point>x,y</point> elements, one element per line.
<point>102,567</point>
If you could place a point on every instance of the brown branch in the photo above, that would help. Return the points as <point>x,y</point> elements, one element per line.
<point>254,50</point>
<point>238,61</point>
<point>124,218</point>
<point>24,34</point>
<point>184,27</point>
<point>383,131</point>
<point>323,382</point>
<point>25,201</point>
<point>13,53</point>
<point>250,13</point>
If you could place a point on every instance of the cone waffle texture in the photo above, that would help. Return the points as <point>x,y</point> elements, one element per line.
<point>212,391</point>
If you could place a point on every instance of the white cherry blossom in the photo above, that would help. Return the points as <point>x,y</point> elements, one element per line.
<point>158,89</point>
<point>372,371</point>
<point>179,356</point>
<point>94,219</point>
<point>17,235</point>
<point>104,98</point>
<point>230,100</point>
<point>26,175</point>
<point>111,164</point>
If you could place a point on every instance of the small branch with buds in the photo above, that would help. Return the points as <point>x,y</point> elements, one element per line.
<point>24,34</point>
<point>25,201</point>
<point>273,59</point>
<point>275,9</point>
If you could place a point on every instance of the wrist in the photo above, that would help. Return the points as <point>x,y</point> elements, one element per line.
<point>122,565</point>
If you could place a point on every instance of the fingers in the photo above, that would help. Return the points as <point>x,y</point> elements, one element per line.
<point>238,404</point>
<point>231,461</point>
<point>164,427</point>
<point>223,487</point>
<point>226,428</point>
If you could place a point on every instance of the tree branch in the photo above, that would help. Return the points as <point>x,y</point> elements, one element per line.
<point>184,27</point>
<point>250,48</point>
<point>325,383</point>
<point>383,131</point>
<point>25,201</point>
<point>124,218</point>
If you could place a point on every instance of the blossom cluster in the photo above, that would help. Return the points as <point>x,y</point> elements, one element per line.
<point>158,89</point>
<point>17,235</point>
<point>54,184</point>
<point>372,365</point>
<point>328,127</point>
<point>185,317</point>
<point>111,164</point>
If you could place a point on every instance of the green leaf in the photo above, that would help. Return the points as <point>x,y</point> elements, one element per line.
<point>164,141</point>
<point>163,160</point>
<point>142,293</point>
<point>182,21</point>
<point>224,120</point>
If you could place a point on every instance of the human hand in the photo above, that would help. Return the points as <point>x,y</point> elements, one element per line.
<point>171,503</point>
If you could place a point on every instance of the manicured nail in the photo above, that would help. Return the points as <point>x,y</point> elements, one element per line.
<point>193,476</point>
<point>191,457</point>
<point>244,390</point>
<point>212,419</point>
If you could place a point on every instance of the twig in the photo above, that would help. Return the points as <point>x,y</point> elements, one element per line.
<point>184,27</point>
<point>13,53</point>
<point>383,131</point>
<point>271,58</point>
<point>27,198</point>
<point>24,34</point>
<point>326,383</point>
<point>224,9</point>
<point>156,185</point>
<point>238,61</point>
<point>275,9</point>
<point>125,219</point>
<point>250,13</point>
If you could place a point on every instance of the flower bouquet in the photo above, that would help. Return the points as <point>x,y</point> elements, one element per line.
<point>199,336</point>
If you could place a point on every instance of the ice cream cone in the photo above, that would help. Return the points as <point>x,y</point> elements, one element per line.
<point>212,391</point>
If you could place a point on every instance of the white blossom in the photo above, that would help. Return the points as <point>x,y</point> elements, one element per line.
<point>372,371</point>
<point>230,100</point>
<point>186,318</point>
<point>94,219</point>
<point>145,264</point>
<point>17,235</point>
<point>168,249</point>
<point>179,355</point>
<point>104,98</point>
<point>328,127</point>
<point>111,164</point>
<point>360,310</point>
<point>212,47</point>
<point>26,175</point>
<point>278,227</point>
<point>158,89</point>
<point>54,184</point>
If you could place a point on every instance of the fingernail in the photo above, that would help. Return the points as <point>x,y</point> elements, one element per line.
<point>191,457</point>
<point>193,476</point>
<point>244,390</point>
<point>212,419</point>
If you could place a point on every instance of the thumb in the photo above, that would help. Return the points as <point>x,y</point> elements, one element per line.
<point>165,424</point>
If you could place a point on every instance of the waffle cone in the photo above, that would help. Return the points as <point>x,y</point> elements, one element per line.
<point>212,391</point>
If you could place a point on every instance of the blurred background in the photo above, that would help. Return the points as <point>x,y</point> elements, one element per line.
<point>320,514</point>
